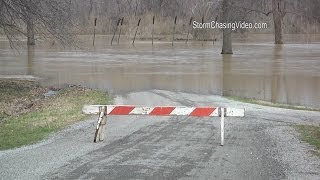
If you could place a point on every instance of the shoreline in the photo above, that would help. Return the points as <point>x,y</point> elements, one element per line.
<point>270,104</point>
<point>235,98</point>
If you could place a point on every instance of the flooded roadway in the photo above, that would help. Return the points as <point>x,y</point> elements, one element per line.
<point>284,74</point>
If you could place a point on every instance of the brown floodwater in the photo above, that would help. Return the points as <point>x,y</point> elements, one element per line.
<point>284,74</point>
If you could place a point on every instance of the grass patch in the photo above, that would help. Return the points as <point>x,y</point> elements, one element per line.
<point>12,94</point>
<point>45,116</point>
<point>311,135</point>
<point>270,104</point>
<point>14,89</point>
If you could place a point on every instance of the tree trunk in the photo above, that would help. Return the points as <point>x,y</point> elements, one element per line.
<point>227,41</point>
<point>278,14</point>
<point>30,32</point>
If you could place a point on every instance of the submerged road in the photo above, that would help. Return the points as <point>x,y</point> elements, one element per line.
<point>262,145</point>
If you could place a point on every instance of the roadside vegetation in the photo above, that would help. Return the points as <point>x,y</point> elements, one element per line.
<point>270,104</point>
<point>29,114</point>
<point>311,135</point>
<point>307,133</point>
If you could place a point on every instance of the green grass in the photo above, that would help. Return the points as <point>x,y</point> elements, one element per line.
<point>311,135</point>
<point>54,114</point>
<point>270,104</point>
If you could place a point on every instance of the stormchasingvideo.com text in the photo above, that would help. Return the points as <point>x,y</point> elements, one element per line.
<point>231,25</point>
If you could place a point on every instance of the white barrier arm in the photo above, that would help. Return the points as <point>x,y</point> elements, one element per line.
<point>103,110</point>
<point>163,110</point>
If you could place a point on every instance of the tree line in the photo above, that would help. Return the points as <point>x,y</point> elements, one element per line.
<point>62,19</point>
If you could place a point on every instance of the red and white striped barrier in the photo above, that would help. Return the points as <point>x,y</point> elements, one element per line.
<point>103,110</point>
<point>162,110</point>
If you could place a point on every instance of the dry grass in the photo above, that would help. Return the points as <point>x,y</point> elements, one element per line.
<point>311,135</point>
<point>46,116</point>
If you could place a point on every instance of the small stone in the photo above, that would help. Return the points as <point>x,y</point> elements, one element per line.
<point>50,93</point>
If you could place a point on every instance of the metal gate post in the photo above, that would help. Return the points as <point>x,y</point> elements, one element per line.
<point>222,125</point>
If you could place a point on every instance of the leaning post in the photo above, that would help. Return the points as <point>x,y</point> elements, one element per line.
<point>99,134</point>
<point>189,29</point>
<point>152,30</point>
<point>202,21</point>
<point>174,29</point>
<point>120,29</point>
<point>94,30</point>
<point>114,33</point>
<point>135,34</point>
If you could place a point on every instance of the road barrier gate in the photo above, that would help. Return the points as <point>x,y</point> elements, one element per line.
<point>104,110</point>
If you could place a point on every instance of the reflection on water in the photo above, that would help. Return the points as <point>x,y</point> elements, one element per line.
<point>30,58</point>
<point>286,74</point>
<point>276,73</point>
<point>227,81</point>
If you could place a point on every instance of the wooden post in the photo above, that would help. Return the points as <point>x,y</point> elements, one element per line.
<point>101,123</point>
<point>174,28</point>
<point>214,36</point>
<point>120,29</point>
<point>152,30</point>
<point>94,30</point>
<point>202,21</point>
<point>315,29</point>
<point>114,33</point>
<point>222,126</point>
<point>189,29</point>
<point>135,34</point>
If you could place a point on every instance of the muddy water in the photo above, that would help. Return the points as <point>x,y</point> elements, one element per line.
<point>284,74</point>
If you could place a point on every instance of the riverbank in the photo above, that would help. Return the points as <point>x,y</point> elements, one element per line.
<point>30,112</point>
<point>270,104</point>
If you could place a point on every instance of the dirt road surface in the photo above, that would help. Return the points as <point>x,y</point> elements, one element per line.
<point>262,145</point>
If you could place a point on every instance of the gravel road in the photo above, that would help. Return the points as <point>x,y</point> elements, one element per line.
<point>263,145</point>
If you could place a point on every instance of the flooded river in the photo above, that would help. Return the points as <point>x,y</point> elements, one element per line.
<point>284,74</point>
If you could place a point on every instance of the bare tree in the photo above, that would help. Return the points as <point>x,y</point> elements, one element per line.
<point>227,40</point>
<point>45,18</point>
<point>55,18</point>
<point>279,9</point>
<point>278,12</point>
